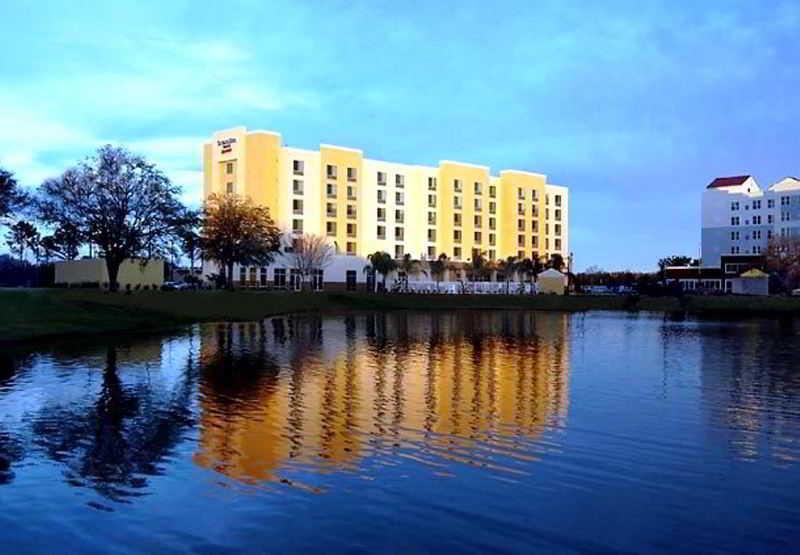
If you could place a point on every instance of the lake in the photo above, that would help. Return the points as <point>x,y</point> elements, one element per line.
<point>462,432</point>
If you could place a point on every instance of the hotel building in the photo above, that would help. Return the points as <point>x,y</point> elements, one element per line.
<point>363,205</point>
<point>738,220</point>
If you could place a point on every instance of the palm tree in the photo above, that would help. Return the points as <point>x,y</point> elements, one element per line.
<point>508,267</point>
<point>478,266</point>
<point>410,267</point>
<point>382,263</point>
<point>437,268</point>
<point>525,269</point>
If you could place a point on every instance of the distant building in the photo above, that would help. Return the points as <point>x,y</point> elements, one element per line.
<point>738,220</point>
<point>362,205</point>
<point>91,272</point>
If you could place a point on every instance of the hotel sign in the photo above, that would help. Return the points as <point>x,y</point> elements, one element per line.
<point>226,145</point>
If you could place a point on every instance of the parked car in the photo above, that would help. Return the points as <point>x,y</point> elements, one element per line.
<point>175,286</point>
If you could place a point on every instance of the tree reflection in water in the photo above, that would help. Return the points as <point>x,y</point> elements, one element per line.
<point>114,442</point>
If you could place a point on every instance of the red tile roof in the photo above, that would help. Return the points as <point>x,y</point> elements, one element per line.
<point>728,181</point>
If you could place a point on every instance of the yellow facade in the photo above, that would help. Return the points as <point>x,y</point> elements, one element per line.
<point>131,273</point>
<point>365,205</point>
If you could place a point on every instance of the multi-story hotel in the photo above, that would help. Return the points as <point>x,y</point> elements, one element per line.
<point>738,220</point>
<point>364,205</point>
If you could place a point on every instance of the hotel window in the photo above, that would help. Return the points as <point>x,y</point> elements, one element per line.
<point>351,193</point>
<point>757,234</point>
<point>557,245</point>
<point>398,251</point>
<point>330,171</point>
<point>399,180</point>
<point>535,211</point>
<point>477,221</point>
<point>478,188</point>
<point>492,223</point>
<point>756,220</point>
<point>330,190</point>
<point>297,187</point>
<point>756,205</point>
<point>431,183</point>
<point>351,230</point>
<point>457,235</point>
<point>432,201</point>
<point>547,229</point>
<point>734,235</point>
<point>457,253</point>
<point>520,225</point>
<point>478,237</point>
<point>478,204</point>
<point>784,201</point>
<point>229,168</point>
<point>735,220</point>
<point>734,205</point>
<point>770,218</point>
<point>492,254</point>
<point>297,206</point>
<point>432,235</point>
<point>535,241</point>
<point>771,203</point>
<point>457,203</point>
<point>558,229</point>
<point>457,187</point>
<point>457,220</point>
<point>521,194</point>
<point>520,240</point>
<point>330,210</point>
<point>298,166</point>
<point>534,196</point>
<point>769,234</point>
<point>297,226</point>
<point>431,252</point>
<point>520,209</point>
<point>398,233</point>
<point>432,218</point>
<point>558,214</point>
<point>399,216</point>
<point>547,200</point>
<point>492,207</point>
<point>520,255</point>
<point>330,228</point>
<point>546,243</point>
<point>381,178</point>
<point>381,214</point>
<point>535,226</point>
<point>558,200</point>
<point>381,232</point>
<point>351,248</point>
<point>399,198</point>
<point>352,174</point>
<point>381,196</point>
<point>546,213</point>
<point>351,211</point>
<point>279,277</point>
<point>492,239</point>
<point>229,187</point>
<point>492,191</point>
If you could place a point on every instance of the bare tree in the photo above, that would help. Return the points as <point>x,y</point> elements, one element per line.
<point>119,201</point>
<point>311,254</point>
<point>783,260</point>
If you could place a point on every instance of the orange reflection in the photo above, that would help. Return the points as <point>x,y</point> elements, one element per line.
<point>327,393</point>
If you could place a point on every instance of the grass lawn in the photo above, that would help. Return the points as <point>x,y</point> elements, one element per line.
<point>36,313</point>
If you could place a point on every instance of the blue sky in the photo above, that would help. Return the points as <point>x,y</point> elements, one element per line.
<point>635,106</point>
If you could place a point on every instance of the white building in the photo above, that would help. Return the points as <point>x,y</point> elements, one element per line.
<point>739,217</point>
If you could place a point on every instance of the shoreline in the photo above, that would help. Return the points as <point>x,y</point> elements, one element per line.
<point>32,315</point>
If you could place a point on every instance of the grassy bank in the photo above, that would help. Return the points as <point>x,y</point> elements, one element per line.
<point>36,313</point>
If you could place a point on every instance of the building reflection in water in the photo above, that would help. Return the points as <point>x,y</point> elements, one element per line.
<point>327,393</point>
<point>751,387</point>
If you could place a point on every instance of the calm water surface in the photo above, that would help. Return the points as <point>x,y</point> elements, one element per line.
<point>407,433</point>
